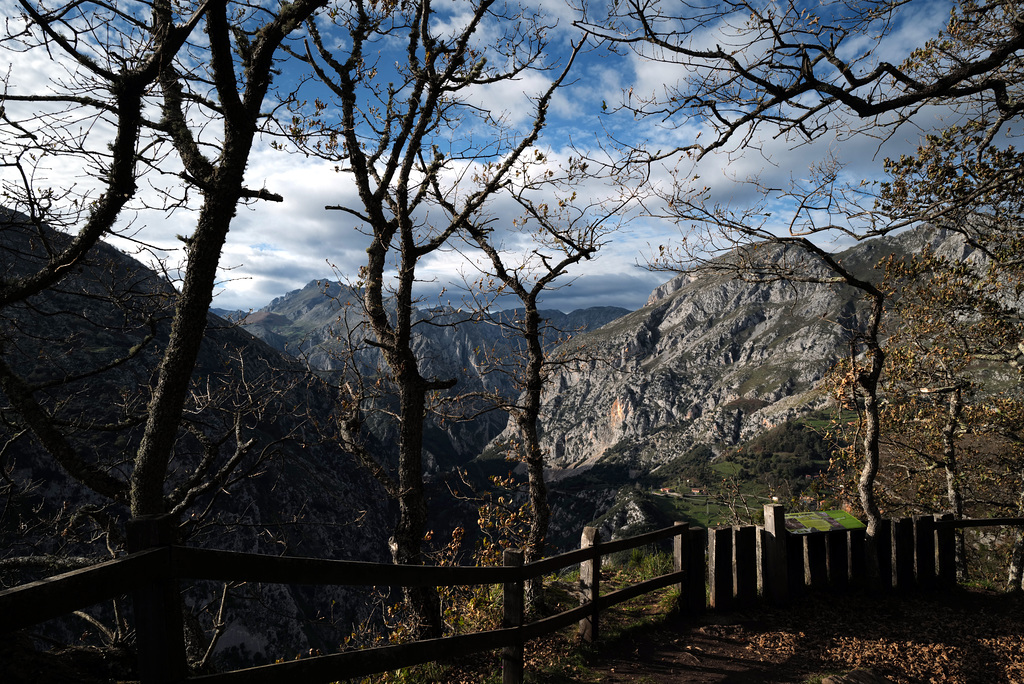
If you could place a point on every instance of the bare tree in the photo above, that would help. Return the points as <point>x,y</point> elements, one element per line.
<point>564,232</point>
<point>83,353</point>
<point>410,142</point>
<point>165,113</point>
<point>758,68</point>
<point>150,108</point>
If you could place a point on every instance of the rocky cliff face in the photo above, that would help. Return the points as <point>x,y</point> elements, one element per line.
<point>698,364</point>
<point>709,360</point>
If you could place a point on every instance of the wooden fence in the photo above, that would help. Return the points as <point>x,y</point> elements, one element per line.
<point>750,562</point>
<point>724,567</point>
<point>152,571</point>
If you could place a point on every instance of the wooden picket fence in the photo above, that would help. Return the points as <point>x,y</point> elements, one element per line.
<point>749,562</point>
<point>722,568</point>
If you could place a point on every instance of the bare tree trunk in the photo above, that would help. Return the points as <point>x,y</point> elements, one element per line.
<point>1015,575</point>
<point>528,421</point>
<point>222,186</point>
<point>394,338</point>
<point>407,542</point>
<point>954,493</point>
<point>527,415</point>
<point>866,484</point>
<point>187,331</point>
<point>867,387</point>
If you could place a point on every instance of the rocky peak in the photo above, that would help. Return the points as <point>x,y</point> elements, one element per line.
<point>709,360</point>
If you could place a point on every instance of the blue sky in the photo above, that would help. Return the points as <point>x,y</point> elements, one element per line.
<point>274,248</point>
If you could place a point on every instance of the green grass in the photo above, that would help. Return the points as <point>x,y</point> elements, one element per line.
<point>822,421</point>
<point>726,468</point>
<point>698,511</point>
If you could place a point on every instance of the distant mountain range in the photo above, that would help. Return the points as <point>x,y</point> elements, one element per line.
<point>709,362</point>
<point>312,323</point>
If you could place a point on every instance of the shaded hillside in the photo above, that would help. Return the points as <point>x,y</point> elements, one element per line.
<point>86,351</point>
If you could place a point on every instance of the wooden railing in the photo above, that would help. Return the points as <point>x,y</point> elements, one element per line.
<point>726,566</point>
<point>152,573</point>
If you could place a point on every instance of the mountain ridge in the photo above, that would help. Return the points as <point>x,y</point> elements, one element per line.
<point>704,340</point>
<point>106,308</point>
<point>314,323</point>
<point>710,362</point>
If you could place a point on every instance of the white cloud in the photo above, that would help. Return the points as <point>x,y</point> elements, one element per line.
<point>273,248</point>
<point>513,100</point>
<point>286,245</point>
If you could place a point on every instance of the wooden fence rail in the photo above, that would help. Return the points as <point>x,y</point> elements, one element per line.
<point>730,566</point>
<point>61,594</point>
<point>153,571</point>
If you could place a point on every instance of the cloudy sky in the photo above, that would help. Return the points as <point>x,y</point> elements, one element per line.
<point>274,248</point>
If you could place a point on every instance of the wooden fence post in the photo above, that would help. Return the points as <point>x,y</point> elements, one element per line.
<point>160,634</point>
<point>945,549</point>
<point>924,550</point>
<point>720,567</point>
<point>838,545</point>
<point>513,604</point>
<point>744,566</point>
<point>697,575</point>
<point>680,561</point>
<point>880,554</point>
<point>815,560</point>
<point>773,551</point>
<point>590,579</point>
<point>903,535</point>
<point>796,566</point>
<point>858,557</point>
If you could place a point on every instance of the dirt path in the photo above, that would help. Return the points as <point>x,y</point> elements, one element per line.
<point>963,638</point>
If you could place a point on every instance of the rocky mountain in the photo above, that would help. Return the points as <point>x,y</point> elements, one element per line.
<point>315,324</point>
<point>710,360</point>
<point>86,352</point>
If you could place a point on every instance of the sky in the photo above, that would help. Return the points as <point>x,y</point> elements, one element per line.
<point>274,248</point>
